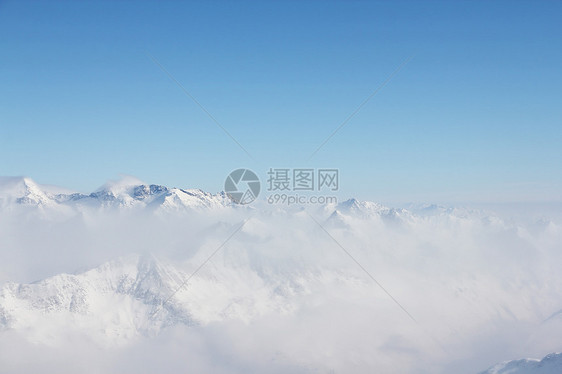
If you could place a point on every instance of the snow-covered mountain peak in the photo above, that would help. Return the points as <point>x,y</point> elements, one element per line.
<point>116,297</point>
<point>125,190</point>
<point>129,192</point>
<point>550,364</point>
<point>336,219</point>
<point>128,195</point>
<point>121,186</point>
<point>22,190</point>
<point>369,209</point>
<point>355,206</point>
<point>178,198</point>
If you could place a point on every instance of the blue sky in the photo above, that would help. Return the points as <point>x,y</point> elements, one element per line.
<point>475,115</point>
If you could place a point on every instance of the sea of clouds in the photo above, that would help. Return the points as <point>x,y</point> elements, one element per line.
<point>366,289</point>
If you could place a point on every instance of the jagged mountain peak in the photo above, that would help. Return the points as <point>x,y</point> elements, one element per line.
<point>353,204</point>
<point>128,288</point>
<point>123,185</point>
<point>336,219</point>
<point>128,194</point>
<point>22,190</point>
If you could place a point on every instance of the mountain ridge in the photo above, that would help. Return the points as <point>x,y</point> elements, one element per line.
<point>128,192</point>
<point>550,364</point>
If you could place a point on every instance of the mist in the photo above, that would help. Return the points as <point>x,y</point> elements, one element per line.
<point>298,290</point>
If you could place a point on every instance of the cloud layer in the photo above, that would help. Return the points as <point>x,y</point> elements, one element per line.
<point>296,290</point>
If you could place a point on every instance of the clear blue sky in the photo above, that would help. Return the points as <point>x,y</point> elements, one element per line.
<point>475,115</point>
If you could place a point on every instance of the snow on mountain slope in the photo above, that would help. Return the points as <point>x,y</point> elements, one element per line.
<point>110,302</point>
<point>550,364</point>
<point>125,298</point>
<point>193,198</point>
<point>113,303</point>
<point>128,192</point>
<point>361,208</point>
<point>22,190</point>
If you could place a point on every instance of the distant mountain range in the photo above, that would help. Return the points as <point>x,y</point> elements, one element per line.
<point>125,193</point>
<point>133,193</point>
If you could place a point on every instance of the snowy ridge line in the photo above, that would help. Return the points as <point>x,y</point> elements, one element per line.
<point>550,364</point>
<point>127,192</point>
<point>132,193</point>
